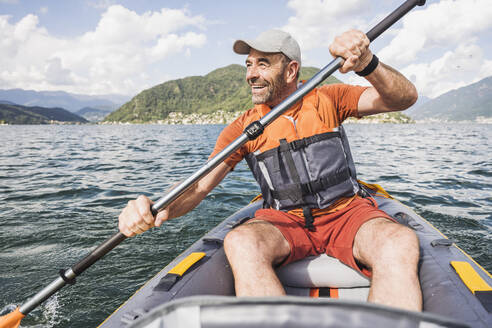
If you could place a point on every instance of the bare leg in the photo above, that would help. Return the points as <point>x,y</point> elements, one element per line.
<point>252,250</point>
<point>391,251</point>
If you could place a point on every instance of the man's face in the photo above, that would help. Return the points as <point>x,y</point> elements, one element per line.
<point>265,75</point>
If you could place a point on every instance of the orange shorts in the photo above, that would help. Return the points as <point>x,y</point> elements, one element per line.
<point>334,234</point>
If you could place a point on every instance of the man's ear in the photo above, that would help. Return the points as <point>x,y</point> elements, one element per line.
<point>291,71</point>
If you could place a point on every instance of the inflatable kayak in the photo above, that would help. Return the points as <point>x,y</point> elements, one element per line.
<point>197,290</point>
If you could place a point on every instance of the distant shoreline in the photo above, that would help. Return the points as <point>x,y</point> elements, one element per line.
<point>223,117</point>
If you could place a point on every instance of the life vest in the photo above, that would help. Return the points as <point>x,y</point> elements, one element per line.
<point>309,172</point>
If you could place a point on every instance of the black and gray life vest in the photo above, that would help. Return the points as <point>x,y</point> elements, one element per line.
<point>308,173</point>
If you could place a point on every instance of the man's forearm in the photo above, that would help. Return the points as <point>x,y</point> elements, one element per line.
<point>395,90</point>
<point>186,202</point>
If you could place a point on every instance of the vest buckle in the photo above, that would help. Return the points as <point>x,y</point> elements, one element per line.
<point>297,144</point>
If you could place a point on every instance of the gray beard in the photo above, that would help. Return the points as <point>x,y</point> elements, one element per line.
<point>263,99</point>
<point>274,92</point>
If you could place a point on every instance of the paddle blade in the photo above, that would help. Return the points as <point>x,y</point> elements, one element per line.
<point>11,320</point>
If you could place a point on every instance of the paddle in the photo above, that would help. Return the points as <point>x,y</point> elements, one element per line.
<point>14,318</point>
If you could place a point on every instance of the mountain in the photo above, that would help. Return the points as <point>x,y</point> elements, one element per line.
<point>93,114</point>
<point>420,101</point>
<point>70,101</point>
<point>469,103</point>
<point>224,89</point>
<point>7,102</point>
<point>17,114</point>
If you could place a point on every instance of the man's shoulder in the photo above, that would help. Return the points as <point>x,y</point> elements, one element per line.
<point>247,117</point>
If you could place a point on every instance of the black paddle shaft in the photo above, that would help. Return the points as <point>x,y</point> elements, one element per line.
<point>251,132</point>
<point>393,18</point>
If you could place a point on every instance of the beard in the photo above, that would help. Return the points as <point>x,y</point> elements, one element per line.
<point>271,93</point>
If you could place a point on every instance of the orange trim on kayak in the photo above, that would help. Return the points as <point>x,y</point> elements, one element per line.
<point>314,292</point>
<point>333,292</point>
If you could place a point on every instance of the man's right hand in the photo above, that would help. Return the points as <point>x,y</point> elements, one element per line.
<point>137,217</point>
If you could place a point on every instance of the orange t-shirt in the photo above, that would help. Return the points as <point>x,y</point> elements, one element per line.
<point>336,103</point>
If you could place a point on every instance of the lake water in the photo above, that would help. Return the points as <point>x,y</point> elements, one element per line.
<point>62,188</point>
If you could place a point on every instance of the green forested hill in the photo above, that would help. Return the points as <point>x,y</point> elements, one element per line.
<point>224,89</point>
<point>17,114</point>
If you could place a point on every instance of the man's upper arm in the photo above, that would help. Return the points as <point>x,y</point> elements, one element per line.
<point>390,91</point>
<point>370,102</point>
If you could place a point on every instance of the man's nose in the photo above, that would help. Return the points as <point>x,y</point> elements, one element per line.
<point>252,73</point>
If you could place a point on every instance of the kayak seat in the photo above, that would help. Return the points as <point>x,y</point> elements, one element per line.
<point>321,271</point>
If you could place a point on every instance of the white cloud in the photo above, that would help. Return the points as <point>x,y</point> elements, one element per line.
<point>437,46</point>
<point>55,74</point>
<point>317,22</point>
<point>110,59</point>
<point>457,68</point>
<point>444,24</point>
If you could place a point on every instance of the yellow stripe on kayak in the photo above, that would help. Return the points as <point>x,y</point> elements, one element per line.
<point>186,263</point>
<point>470,277</point>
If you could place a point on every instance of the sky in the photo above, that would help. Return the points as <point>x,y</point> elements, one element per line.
<point>100,47</point>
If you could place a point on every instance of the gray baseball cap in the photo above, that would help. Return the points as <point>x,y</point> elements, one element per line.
<point>271,41</point>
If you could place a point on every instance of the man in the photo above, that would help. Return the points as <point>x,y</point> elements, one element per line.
<point>306,173</point>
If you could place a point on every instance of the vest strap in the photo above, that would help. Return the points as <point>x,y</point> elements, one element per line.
<point>298,144</point>
<point>304,142</point>
<point>312,187</point>
<point>295,193</point>
<point>308,218</point>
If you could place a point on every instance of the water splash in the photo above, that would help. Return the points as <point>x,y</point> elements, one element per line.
<point>50,311</point>
<point>48,318</point>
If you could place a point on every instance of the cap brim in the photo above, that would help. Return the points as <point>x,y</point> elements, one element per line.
<point>241,47</point>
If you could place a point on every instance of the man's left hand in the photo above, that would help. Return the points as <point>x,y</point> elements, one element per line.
<point>353,47</point>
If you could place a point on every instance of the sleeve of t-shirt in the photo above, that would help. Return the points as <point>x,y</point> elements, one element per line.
<point>345,99</point>
<point>228,135</point>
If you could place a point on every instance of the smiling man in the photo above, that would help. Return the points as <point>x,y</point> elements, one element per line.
<point>302,162</point>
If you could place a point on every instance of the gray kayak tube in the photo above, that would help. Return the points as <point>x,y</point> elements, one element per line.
<point>284,312</point>
<point>456,290</point>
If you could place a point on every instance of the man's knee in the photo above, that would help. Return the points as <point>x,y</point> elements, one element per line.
<point>239,239</point>
<point>258,241</point>
<point>399,245</point>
